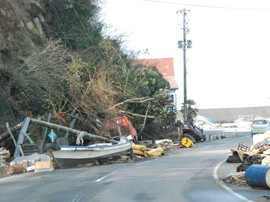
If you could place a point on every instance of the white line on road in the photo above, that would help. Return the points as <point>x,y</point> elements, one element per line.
<point>145,162</point>
<point>215,176</point>
<point>102,178</point>
<point>76,199</point>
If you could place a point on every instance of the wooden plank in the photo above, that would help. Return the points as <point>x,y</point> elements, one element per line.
<point>20,139</point>
<point>72,123</point>
<point>44,133</point>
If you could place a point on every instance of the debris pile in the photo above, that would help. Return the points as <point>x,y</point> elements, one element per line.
<point>66,150</point>
<point>31,163</point>
<point>4,153</point>
<point>154,151</point>
<point>236,179</point>
<point>165,144</point>
<point>266,161</point>
<point>253,158</point>
<point>249,155</point>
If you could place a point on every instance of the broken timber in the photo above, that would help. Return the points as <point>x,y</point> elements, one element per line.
<point>71,131</point>
<point>21,136</point>
<point>13,130</point>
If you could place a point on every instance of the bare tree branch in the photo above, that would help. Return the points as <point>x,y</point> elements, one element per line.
<point>145,118</point>
<point>136,100</point>
<point>151,117</point>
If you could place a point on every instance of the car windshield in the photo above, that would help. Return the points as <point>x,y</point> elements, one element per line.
<point>259,122</point>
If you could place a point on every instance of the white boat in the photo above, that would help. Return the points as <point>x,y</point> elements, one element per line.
<point>69,156</point>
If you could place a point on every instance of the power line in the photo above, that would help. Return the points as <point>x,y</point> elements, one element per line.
<point>206,6</point>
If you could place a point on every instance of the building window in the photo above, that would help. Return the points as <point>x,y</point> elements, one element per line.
<point>172,96</point>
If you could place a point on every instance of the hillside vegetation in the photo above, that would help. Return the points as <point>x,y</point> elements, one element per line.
<point>54,59</point>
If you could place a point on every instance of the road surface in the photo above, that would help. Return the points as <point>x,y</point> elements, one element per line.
<point>180,175</point>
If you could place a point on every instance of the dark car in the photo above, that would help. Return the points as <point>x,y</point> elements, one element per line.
<point>194,133</point>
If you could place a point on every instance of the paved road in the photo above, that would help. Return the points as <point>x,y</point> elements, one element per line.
<point>181,175</point>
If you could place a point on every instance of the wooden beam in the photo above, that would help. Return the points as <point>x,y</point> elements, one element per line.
<point>13,130</point>
<point>71,131</point>
<point>20,139</point>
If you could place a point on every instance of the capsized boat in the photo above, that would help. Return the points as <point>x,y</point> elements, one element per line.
<point>70,156</point>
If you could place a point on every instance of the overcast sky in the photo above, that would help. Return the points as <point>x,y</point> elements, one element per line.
<point>228,64</point>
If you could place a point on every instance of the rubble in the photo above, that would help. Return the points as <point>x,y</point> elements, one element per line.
<point>15,169</point>
<point>26,157</point>
<point>4,153</point>
<point>236,179</point>
<point>3,170</point>
<point>165,144</point>
<point>42,162</point>
<point>153,152</point>
<point>266,161</point>
<point>251,157</point>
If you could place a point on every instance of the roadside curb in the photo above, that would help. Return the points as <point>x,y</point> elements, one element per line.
<point>223,185</point>
<point>222,136</point>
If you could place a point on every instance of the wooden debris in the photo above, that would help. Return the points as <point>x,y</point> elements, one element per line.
<point>4,153</point>
<point>243,147</point>
<point>266,161</point>
<point>13,130</point>
<point>16,169</point>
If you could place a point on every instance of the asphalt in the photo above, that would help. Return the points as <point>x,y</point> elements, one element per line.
<point>247,193</point>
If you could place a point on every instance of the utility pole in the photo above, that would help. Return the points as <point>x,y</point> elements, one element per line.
<point>184,45</point>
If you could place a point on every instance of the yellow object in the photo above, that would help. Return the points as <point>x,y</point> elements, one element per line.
<point>186,142</point>
<point>155,152</point>
<point>143,153</point>
<point>138,147</point>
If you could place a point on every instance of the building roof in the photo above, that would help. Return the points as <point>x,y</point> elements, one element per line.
<point>172,82</point>
<point>223,115</point>
<point>164,65</point>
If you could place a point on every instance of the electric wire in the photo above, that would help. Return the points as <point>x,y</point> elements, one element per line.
<point>206,6</point>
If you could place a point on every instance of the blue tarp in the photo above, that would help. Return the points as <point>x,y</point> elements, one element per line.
<point>238,121</point>
<point>207,119</point>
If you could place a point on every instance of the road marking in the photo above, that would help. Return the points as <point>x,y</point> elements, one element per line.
<point>222,184</point>
<point>77,198</point>
<point>102,178</point>
<point>145,162</point>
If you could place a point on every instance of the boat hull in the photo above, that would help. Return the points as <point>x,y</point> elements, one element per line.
<point>70,156</point>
